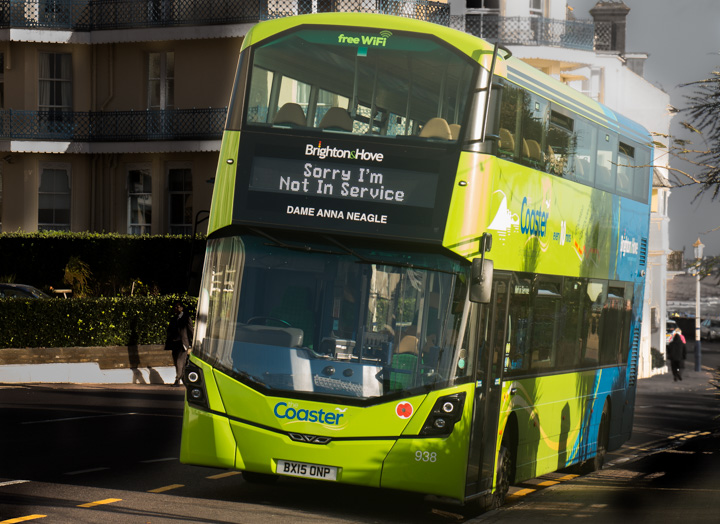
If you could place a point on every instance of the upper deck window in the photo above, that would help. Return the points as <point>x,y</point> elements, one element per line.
<point>360,81</point>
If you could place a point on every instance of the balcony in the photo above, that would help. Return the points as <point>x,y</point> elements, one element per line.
<point>113,126</point>
<point>535,31</point>
<point>96,15</point>
<point>103,15</point>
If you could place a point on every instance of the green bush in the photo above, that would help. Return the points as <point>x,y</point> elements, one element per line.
<point>84,322</point>
<point>116,263</point>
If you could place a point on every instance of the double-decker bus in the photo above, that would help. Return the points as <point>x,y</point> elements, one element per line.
<point>424,268</point>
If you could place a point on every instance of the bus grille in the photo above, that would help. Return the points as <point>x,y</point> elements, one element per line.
<point>633,362</point>
<point>643,252</point>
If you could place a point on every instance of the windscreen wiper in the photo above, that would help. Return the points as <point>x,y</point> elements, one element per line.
<point>279,243</point>
<point>379,262</point>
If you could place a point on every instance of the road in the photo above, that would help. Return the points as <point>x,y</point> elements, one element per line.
<point>98,453</point>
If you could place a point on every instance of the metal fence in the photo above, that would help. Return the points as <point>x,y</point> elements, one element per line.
<point>94,15</point>
<point>91,15</point>
<point>536,31</point>
<point>113,126</point>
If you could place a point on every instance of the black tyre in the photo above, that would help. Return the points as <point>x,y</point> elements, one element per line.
<point>503,476</point>
<point>596,463</point>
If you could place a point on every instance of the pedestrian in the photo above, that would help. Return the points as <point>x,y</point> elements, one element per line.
<point>179,338</point>
<point>676,353</point>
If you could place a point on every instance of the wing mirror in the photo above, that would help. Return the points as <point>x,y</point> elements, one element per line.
<point>481,280</point>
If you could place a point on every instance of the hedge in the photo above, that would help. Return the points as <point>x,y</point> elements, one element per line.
<point>87,322</point>
<point>161,263</point>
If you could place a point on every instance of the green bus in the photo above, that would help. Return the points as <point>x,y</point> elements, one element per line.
<point>424,268</point>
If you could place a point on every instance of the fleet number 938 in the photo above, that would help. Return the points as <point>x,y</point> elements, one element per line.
<point>425,456</point>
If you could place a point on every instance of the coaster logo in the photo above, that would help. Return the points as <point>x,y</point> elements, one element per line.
<point>533,221</point>
<point>334,152</point>
<point>283,411</point>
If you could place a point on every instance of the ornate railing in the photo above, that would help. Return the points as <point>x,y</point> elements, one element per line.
<point>92,15</point>
<point>113,126</point>
<point>95,15</point>
<point>534,31</point>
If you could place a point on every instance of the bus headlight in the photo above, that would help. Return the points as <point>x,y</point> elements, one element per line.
<point>195,385</point>
<point>446,412</point>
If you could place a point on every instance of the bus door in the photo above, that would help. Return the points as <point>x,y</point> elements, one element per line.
<point>488,389</point>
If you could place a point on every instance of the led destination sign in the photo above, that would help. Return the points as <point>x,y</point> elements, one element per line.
<point>370,187</point>
<point>362,182</point>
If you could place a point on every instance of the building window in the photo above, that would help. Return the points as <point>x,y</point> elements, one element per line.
<point>54,199</point>
<point>537,8</point>
<point>139,201</point>
<point>2,81</point>
<point>490,5</point>
<point>161,80</point>
<point>55,92</point>
<point>180,200</point>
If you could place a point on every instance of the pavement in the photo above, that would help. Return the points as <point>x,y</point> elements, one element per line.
<point>668,472</point>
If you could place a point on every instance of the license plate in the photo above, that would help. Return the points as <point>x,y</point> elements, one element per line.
<point>309,471</point>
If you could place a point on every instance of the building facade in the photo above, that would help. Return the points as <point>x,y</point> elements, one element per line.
<point>113,110</point>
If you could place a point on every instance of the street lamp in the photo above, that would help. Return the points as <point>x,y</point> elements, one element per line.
<point>698,248</point>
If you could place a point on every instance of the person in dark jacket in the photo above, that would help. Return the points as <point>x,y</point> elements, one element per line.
<point>676,353</point>
<point>179,339</point>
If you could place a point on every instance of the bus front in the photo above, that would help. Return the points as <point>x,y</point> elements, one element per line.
<point>332,332</point>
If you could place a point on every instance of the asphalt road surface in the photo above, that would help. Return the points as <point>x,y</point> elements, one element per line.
<point>98,453</point>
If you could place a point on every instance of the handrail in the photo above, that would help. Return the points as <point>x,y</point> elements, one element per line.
<point>113,126</point>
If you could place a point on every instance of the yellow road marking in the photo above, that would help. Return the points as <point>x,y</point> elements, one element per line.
<point>166,488</point>
<point>22,519</point>
<point>522,492</point>
<point>567,477</point>
<point>223,475</point>
<point>548,483</point>
<point>98,503</point>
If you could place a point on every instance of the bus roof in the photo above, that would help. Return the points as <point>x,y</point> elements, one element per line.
<point>466,43</point>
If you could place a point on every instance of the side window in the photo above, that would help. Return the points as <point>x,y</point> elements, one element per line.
<point>585,142</point>
<point>534,121</point>
<point>612,326</point>
<point>547,308</point>
<point>592,322</point>
<point>261,83</point>
<point>641,174</point>
<point>606,160</point>
<point>570,318</point>
<point>626,315</point>
<point>518,349</point>
<point>510,111</point>
<point>561,144</point>
<point>625,170</point>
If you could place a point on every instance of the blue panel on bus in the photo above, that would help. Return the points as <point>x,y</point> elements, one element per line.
<point>630,229</point>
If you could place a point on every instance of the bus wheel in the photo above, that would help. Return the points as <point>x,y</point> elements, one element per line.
<point>259,478</point>
<point>596,463</point>
<point>504,473</point>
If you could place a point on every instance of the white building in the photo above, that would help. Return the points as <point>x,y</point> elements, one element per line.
<point>590,56</point>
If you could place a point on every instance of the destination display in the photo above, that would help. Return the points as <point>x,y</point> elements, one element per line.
<point>361,187</point>
<point>343,181</point>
